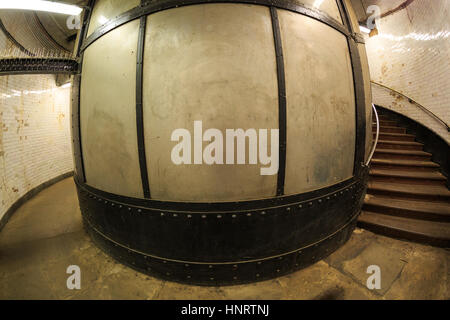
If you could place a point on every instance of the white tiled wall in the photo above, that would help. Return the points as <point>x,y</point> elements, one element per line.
<point>34,134</point>
<point>411,54</point>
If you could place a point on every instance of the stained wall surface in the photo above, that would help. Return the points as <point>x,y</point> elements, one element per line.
<point>215,63</point>
<point>411,54</point>
<point>320,104</point>
<point>34,134</point>
<point>108,112</point>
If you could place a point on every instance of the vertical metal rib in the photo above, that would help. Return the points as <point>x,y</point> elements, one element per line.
<point>76,104</point>
<point>139,109</point>
<point>360,97</point>
<point>281,101</point>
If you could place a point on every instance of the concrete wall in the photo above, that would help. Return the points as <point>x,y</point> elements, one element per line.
<point>411,55</point>
<point>34,134</point>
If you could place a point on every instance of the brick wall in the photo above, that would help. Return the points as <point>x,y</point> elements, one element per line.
<point>411,55</point>
<point>34,134</point>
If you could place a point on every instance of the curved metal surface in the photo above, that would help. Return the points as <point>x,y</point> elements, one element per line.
<point>222,243</point>
<point>376,137</point>
<point>152,7</point>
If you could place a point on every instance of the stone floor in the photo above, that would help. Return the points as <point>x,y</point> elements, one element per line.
<point>45,236</point>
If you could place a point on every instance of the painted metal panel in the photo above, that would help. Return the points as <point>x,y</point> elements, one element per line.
<point>215,63</point>
<point>105,10</point>
<point>320,104</point>
<point>108,113</point>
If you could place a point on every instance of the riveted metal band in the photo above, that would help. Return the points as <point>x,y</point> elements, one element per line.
<point>155,6</point>
<point>222,233</point>
<point>37,66</point>
<point>230,273</point>
<point>282,121</point>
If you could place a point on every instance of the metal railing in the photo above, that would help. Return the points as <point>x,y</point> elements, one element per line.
<point>376,137</point>
<point>416,103</point>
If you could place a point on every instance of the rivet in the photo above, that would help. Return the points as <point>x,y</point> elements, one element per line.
<point>310,203</point>
<point>189,216</point>
<point>278,270</point>
<point>219,216</point>
<point>175,215</point>
<point>320,200</point>
<point>234,278</point>
<point>106,201</point>
<point>328,198</point>
<point>188,277</point>
<point>162,214</point>
<point>300,206</point>
<point>164,261</point>
<point>139,210</point>
<point>210,266</point>
<point>300,251</point>
<point>112,204</point>
<point>296,264</point>
<point>257,275</point>
<point>211,279</point>
<point>120,206</point>
<point>168,273</point>
<point>259,262</point>
<point>129,209</point>
<point>235,266</point>
<point>288,209</point>
<point>186,265</point>
<point>249,214</point>
<point>335,194</point>
<point>280,258</point>
<point>204,216</point>
<point>233,216</point>
<point>263,212</point>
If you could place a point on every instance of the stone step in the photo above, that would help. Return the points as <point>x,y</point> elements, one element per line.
<point>402,154</point>
<point>410,191</point>
<point>400,145</point>
<point>389,123</point>
<point>417,209</point>
<point>389,129</point>
<point>395,136</point>
<point>428,232</point>
<point>407,176</point>
<point>410,165</point>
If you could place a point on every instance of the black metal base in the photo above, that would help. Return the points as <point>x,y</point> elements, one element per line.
<point>222,243</point>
